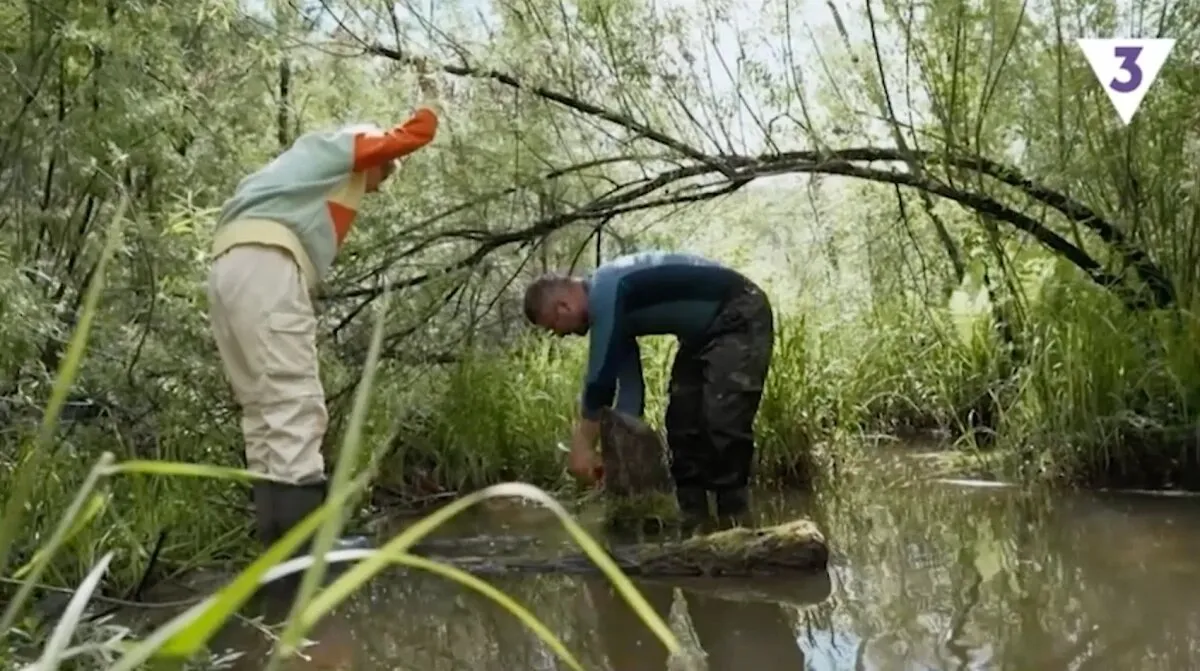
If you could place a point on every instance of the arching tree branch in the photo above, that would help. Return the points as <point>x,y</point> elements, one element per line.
<point>1155,279</point>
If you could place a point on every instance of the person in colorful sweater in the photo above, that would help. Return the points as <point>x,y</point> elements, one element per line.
<point>275,240</point>
<point>725,328</point>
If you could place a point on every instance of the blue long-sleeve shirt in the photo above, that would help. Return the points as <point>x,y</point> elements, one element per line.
<point>650,293</point>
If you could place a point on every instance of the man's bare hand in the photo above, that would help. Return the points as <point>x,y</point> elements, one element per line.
<point>584,464</point>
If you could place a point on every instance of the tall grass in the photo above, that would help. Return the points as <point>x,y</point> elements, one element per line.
<point>1095,394</point>
<point>1109,396</point>
<point>186,635</point>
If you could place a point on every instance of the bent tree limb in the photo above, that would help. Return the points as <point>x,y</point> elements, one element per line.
<point>634,197</point>
<point>567,101</point>
<point>739,170</point>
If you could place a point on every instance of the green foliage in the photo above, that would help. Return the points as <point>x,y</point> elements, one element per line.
<point>186,636</point>
<point>897,311</point>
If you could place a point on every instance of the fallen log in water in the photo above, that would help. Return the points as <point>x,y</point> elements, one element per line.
<point>792,547</point>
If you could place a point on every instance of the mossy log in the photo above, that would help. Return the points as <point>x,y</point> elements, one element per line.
<point>789,548</point>
<point>638,490</point>
<point>795,546</point>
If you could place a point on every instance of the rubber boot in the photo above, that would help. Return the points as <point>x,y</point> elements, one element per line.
<point>280,506</point>
<point>733,508</point>
<point>693,508</point>
<point>264,515</point>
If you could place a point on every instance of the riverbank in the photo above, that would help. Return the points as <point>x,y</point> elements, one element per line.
<point>1103,397</point>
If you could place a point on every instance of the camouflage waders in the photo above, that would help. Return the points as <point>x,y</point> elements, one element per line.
<point>716,385</point>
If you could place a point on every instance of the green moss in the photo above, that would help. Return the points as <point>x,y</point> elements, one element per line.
<point>650,512</point>
<point>797,545</point>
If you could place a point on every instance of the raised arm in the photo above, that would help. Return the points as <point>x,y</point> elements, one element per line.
<point>371,150</point>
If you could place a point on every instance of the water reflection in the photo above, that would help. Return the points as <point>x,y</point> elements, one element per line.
<point>733,628</point>
<point>924,577</point>
<point>423,623</point>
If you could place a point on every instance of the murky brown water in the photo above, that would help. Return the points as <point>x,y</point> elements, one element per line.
<point>926,576</point>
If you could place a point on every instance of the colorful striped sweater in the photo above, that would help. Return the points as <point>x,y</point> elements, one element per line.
<point>305,201</point>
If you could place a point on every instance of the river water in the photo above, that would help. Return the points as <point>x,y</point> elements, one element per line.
<point>925,576</point>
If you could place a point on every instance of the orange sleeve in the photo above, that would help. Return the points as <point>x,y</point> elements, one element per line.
<point>403,139</point>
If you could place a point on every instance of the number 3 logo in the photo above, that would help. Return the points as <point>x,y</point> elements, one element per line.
<point>1128,56</point>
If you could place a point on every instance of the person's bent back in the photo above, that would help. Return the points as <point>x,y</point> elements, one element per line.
<point>725,326</point>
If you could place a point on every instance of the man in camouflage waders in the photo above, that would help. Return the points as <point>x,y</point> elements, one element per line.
<point>725,328</point>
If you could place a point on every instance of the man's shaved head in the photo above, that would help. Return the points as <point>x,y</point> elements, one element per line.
<point>539,291</point>
<point>558,303</point>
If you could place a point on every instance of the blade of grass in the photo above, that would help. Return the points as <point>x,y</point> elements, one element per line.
<point>448,571</point>
<point>14,509</point>
<point>89,649</point>
<point>185,469</point>
<point>355,577</point>
<point>65,629</point>
<point>505,601</point>
<point>51,547</point>
<point>183,636</point>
